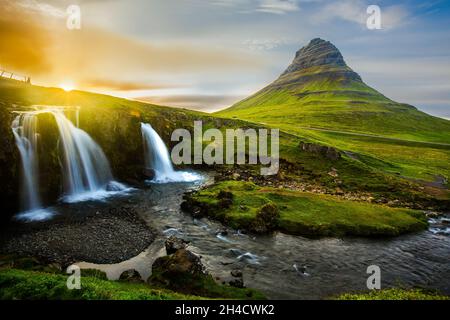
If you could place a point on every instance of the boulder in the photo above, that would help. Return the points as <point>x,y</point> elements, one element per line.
<point>173,244</point>
<point>148,173</point>
<point>237,280</point>
<point>130,275</point>
<point>326,151</point>
<point>266,218</point>
<point>182,270</point>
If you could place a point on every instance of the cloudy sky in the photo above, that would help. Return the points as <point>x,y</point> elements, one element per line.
<point>208,54</point>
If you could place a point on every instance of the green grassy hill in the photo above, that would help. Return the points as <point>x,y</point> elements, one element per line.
<point>319,97</point>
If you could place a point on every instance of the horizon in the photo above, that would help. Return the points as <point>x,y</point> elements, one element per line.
<point>167,57</point>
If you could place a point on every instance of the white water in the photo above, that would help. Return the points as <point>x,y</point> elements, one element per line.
<point>157,158</point>
<point>24,130</point>
<point>86,170</point>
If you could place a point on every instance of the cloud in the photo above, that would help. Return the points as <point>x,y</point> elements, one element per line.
<point>37,42</point>
<point>355,11</point>
<point>23,41</point>
<point>41,7</point>
<point>278,6</point>
<point>263,6</point>
<point>122,85</point>
<point>200,102</point>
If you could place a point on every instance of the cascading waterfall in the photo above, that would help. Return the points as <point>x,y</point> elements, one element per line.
<point>24,130</point>
<point>157,158</point>
<point>86,170</point>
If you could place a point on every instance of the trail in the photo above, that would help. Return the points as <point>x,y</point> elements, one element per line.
<point>377,136</point>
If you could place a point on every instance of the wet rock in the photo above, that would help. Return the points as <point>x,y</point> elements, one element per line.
<point>238,283</point>
<point>223,232</point>
<point>130,275</point>
<point>182,270</point>
<point>237,280</point>
<point>173,244</point>
<point>148,173</point>
<point>236,273</point>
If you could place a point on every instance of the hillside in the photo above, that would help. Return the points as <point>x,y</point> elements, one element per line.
<point>319,90</point>
<point>115,124</point>
<point>321,98</point>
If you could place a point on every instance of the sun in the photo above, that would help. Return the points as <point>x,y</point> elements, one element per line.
<point>67,86</point>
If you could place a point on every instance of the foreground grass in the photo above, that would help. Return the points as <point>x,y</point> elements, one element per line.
<point>305,213</point>
<point>394,294</point>
<point>23,284</point>
<point>26,284</point>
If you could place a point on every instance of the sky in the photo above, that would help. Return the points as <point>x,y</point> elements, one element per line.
<point>208,54</point>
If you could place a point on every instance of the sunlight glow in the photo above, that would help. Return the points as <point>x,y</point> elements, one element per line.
<point>67,86</point>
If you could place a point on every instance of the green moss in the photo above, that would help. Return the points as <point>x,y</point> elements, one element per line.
<point>394,294</point>
<point>305,213</point>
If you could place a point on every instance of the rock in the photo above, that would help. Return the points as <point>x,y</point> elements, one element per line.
<point>266,218</point>
<point>182,271</point>
<point>236,273</point>
<point>225,199</point>
<point>237,280</point>
<point>173,244</point>
<point>326,151</point>
<point>148,173</point>
<point>318,52</point>
<point>225,195</point>
<point>223,232</point>
<point>235,176</point>
<point>238,283</point>
<point>130,275</point>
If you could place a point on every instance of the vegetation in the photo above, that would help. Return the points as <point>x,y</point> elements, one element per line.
<point>301,213</point>
<point>28,278</point>
<point>394,294</point>
<point>33,285</point>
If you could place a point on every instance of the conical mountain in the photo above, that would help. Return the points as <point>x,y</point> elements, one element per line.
<point>319,91</point>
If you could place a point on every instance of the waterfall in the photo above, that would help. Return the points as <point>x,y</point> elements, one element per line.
<point>157,158</point>
<point>26,137</point>
<point>85,169</point>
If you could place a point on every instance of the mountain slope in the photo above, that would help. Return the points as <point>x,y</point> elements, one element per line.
<point>318,90</point>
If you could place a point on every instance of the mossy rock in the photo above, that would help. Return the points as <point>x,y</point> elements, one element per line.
<point>266,219</point>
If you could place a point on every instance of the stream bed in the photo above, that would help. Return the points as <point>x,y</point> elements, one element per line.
<point>284,266</point>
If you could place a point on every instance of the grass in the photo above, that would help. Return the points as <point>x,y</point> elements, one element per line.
<point>394,294</point>
<point>33,285</point>
<point>305,213</point>
<point>38,285</point>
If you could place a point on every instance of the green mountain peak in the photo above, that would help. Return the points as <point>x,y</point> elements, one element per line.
<point>318,90</point>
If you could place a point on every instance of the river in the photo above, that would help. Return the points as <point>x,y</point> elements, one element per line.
<point>284,266</point>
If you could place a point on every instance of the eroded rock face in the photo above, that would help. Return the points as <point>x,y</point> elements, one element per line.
<point>317,53</point>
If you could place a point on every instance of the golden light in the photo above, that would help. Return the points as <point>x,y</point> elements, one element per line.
<point>67,86</point>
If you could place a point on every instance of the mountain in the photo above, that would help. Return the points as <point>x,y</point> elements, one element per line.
<point>320,91</point>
